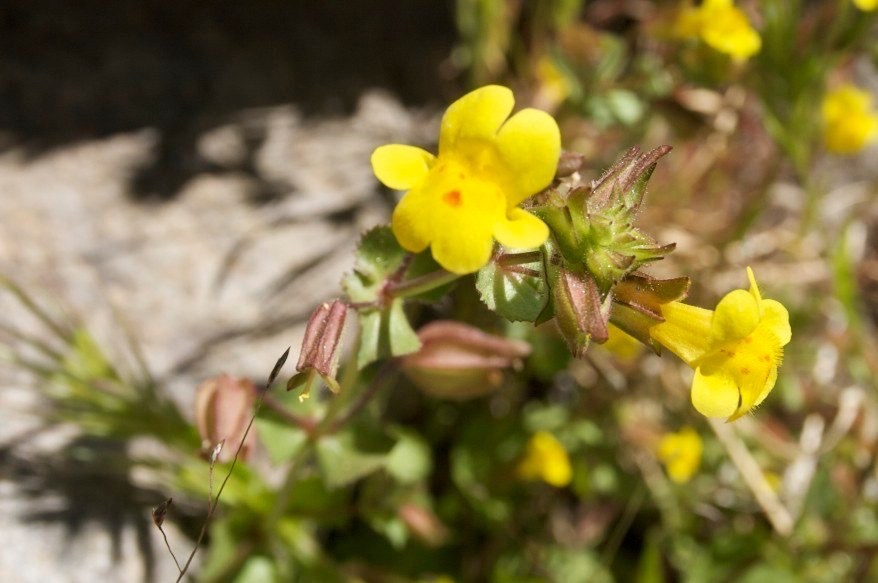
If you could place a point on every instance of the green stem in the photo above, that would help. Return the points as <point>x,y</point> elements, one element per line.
<point>306,424</point>
<point>419,285</point>
<point>509,259</point>
<point>363,399</point>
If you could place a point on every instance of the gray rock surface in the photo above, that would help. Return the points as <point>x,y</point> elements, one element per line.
<point>207,282</point>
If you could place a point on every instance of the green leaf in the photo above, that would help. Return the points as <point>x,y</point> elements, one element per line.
<point>281,440</point>
<point>384,331</point>
<point>351,455</point>
<point>378,254</point>
<point>385,334</point>
<point>423,264</point>
<point>410,459</point>
<point>514,295</point>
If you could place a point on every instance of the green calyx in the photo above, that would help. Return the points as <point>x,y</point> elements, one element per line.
<point>593,225</point>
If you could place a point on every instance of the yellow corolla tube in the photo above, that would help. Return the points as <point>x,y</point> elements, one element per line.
<point>735,350</point>
<point>462,200</point>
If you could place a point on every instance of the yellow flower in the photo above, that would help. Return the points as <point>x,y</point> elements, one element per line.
<point>462,200</point>
<point>722,26</point>
<point>866,5</point>
<point>849,123</point>
<point>681,454</point>
<point>735,350</point>
<point>554,86</point>
<point>546,459</point>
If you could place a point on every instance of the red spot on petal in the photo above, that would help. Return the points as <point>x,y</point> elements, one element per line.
<point>745,371</point>
<point>452,198</point>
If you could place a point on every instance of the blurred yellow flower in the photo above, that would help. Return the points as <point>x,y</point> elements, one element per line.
<point>866,5</point>
<point>546,459</point>
<point>734,350</point>
<point>554,86</point>
<point>681,454</point>
<point>722,26</point>
<point>849,123</point>
<point>459,202</point>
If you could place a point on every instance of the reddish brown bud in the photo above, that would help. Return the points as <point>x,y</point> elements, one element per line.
<point>319,355</point>
<point>458,361</point>
<point>579,312</point>
<point>223,406</point>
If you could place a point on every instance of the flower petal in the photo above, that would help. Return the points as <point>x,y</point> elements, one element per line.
<point>736,316</point>
<point>529,145</point>
<point>476,115</point>
<point>756,377</point>
<point>521,230</point>
<point>463,252</point>
<point>410,223</point>
<point>715,395</point>
<point>776,318</point>
<point>453,212</point>
<point>754,287</point>
<point>769,384</point>
<point>401,167</point>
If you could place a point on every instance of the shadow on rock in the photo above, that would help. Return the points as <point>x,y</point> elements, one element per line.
<point>73,72</point>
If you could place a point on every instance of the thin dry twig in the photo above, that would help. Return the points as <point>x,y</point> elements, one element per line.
<point>158,518</point>
<point>212,506</point>
<point>754,478</point>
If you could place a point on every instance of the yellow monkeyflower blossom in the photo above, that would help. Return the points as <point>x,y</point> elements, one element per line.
<point>681,454</point>
<point>849,123</point>
<point>546,459</point>
<point>735,350</point>
<point>866,5</point>
<point>722,26</point>
<point>459,202</point>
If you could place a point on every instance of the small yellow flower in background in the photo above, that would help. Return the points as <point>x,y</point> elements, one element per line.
<point>734,350</point>
<point>459,202</point>
<point>774,481</point>
<point>554,86</point>
<point>849,123</point>
<point>546,459</point>
<point>866,5</point>
<point>681,454</point>
<point>722,26</point>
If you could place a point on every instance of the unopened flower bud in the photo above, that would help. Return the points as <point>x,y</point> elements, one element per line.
<point>223,406</point>
<point>458,361</point>
<point>318,359</point>
<point>579,313</point>
<point>423,524</point>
